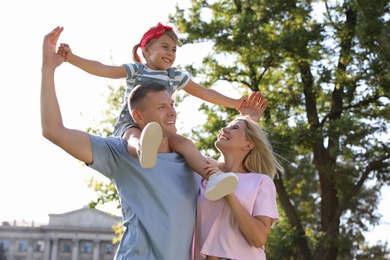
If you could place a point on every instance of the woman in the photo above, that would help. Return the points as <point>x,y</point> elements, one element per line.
<point>237,226</point>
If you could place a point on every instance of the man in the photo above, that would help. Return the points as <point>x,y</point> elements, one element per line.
<point>158,204</point>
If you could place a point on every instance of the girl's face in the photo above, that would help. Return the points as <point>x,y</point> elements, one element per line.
<point>232,136</point>
<point>161,53</point>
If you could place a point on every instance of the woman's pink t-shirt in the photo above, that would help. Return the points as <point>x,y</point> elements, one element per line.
<point>218,234</point>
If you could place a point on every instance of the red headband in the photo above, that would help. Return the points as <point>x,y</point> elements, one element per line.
<point>154,34</point>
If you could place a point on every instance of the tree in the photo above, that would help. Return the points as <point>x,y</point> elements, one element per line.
<point>327,78</point>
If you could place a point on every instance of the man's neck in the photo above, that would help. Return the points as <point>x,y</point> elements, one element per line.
<point>164,147</point>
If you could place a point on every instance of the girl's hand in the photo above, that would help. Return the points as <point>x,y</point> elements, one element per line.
<point>64,51</point>
<point>241,101</point>
<point>254,106</point>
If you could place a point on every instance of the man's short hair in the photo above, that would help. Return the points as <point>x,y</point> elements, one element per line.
<point>140,92</point>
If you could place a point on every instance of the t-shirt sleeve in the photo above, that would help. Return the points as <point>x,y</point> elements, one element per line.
<point>131,69</point>
<point>184,79</point>
<point>265,203</point>
<point>105,150</point>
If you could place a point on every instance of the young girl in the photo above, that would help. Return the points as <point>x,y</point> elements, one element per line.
<point>158,47</point>
<point>237,226</point>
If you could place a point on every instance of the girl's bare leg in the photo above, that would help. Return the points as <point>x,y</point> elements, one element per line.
<point>132,136</point>
<point>193,157</point>
<point>219,184</point>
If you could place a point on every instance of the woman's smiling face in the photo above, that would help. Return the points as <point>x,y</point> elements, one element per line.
<point>232,136</point>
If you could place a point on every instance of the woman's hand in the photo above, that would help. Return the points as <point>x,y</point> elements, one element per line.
<point>212,166</point>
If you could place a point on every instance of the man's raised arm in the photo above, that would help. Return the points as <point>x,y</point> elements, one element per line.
<point>74,142</point>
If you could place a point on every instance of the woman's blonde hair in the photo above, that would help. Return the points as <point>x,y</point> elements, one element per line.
<point>261,158</point>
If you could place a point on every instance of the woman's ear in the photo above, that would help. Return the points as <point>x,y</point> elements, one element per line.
<point>249,146</point>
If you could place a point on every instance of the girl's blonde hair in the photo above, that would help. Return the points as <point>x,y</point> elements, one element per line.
<point>261,158</point>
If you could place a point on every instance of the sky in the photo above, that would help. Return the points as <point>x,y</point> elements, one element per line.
<point>36,177</point>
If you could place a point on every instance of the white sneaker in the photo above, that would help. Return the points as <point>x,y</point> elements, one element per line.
<point>220,184</point>
<point>149,142</point>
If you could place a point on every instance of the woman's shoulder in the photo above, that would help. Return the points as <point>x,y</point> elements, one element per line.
<point>261,177</point>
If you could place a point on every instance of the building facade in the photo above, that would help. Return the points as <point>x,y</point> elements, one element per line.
<point>82,234</point>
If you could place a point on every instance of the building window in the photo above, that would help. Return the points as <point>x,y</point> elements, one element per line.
<point>87,247</point>
<point>22,246</point>
<point>108,248</point>
<point>3,245</point>
<point>66,246</point>
<point>39,246</point>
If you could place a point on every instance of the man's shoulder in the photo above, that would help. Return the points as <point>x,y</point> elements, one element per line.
<point>112,141</point>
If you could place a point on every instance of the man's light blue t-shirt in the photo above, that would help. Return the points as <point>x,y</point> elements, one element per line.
<point>158,204</point>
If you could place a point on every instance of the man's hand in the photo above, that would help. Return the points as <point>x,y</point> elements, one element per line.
<point>50,59</point>
<point>254,106</point>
